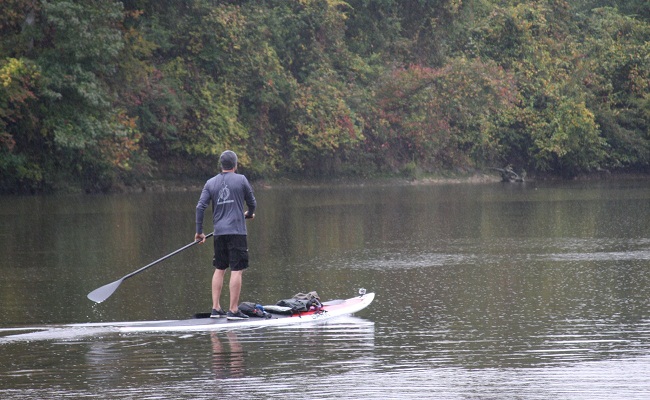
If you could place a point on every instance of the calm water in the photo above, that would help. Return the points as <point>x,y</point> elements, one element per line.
<point>532,291</point>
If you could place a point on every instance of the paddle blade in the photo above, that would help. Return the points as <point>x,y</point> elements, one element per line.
<point>100,294</point>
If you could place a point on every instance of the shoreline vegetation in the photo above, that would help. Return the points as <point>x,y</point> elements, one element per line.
<point>112,95</point>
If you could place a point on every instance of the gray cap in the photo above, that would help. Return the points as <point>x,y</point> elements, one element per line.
<point>228,159</point>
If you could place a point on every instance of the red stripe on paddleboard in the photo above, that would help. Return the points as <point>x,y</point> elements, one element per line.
<point>345,304</point>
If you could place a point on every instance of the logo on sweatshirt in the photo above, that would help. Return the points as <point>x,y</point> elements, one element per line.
<point>224,195</point>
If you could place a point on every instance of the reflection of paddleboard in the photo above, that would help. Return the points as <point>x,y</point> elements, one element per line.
<point>330,310</point>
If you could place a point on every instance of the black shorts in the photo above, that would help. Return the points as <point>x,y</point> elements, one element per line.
<point>230,251</point>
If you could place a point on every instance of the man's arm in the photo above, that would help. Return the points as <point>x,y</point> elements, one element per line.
<point>251,203</point>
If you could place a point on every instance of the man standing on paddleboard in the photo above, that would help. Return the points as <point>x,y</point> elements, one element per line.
<point>228,192</point>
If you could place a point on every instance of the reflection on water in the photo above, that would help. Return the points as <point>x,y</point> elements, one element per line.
<point>227,355</point>
<point>483,291</point>
<point>122,362</point>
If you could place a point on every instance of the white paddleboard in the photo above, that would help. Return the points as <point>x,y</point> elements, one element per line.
<point>330,310</point>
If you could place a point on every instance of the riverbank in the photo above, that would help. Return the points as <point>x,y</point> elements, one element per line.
<point>160,184</point>
<point>181,185</point>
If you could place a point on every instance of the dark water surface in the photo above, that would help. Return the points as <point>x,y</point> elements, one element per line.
<point>532,291</point>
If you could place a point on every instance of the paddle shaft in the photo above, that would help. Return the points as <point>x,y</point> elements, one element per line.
<point>164,258</point>
<point>100,294</point>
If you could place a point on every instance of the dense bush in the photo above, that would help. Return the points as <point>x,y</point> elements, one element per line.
<point>99,93</point>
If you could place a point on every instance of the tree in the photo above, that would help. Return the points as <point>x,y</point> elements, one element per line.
<point>618,84</point>
<point>19,83</point>
<point>441,118</point>
<point>553,129</point>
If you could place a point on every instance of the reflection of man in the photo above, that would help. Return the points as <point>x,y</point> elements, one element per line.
<point>228,192</point>
<point>227,364</point>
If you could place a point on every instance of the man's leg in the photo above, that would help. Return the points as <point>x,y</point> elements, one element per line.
<point>235,289</point>
<point>217,284</point>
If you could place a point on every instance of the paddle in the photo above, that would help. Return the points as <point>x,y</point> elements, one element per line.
<point>100,294</point>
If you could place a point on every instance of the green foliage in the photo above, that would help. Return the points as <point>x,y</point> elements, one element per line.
<point>618,84</point>
<point>555,128</point>
<point>567,139</point>
<point>441,118</point>
<point>373,27</point>
<point>19,85</point>
<point>102,93</point>
<point>326,127</point>
<point>60,119</point>
<point>80,48</point>
<point>218,124</point>
<point>17,20</point>
<point>19,79</point>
